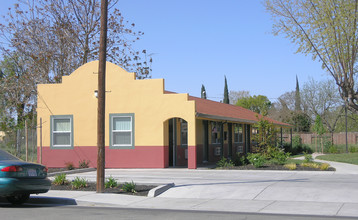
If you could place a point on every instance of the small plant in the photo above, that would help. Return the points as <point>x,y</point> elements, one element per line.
<point>240,159</point>
<point>311,165</point>
<point>83,164</point>
<point>324,166</point>
<point>278,156</point>
<point>78,183</point>
<point>308,158</point>
<point>243,160</point>
<point>110,183</point>
<point>69,166</point>
<point>333,149</point>
<point>60,179</point>
<point>352,149</point>
<point>225,163</point>
<point>129,187</point>
<point>258,160</point>
<point>291,166</point>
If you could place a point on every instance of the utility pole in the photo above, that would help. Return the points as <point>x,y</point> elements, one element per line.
<point>26,141</point>
<point>345,108</point>
<point>101,98</point>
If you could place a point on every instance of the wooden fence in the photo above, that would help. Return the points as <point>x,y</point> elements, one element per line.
<point>338,138</point>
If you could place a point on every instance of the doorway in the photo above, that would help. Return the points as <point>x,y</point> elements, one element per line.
<point>178,142</point>
<point>172,141</point>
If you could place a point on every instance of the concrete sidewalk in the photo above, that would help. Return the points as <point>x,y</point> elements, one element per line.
<point>229,205</point>
<point>279,192</point>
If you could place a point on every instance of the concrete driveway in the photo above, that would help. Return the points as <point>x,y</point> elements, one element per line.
<point>286,192</point>
<point>318,186</point>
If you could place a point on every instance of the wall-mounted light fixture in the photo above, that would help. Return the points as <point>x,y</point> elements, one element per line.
<point>96,93</point>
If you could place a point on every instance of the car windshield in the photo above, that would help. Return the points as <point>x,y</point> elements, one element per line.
<point>6,156</point>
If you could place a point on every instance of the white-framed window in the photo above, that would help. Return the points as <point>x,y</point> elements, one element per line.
<point>215,132</point>
<point>122,131</point>
<point>61,131</point>
<point>238,134</point>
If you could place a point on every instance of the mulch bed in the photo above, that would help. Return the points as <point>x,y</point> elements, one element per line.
<point>275,167</point>
<point>142,190</point>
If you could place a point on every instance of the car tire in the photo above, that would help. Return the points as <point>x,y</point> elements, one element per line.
<point>18,199</point>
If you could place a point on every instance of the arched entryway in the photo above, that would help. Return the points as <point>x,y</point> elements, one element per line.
<point>177,142</point>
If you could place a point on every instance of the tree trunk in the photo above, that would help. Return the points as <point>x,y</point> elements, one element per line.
<point>316,143</point>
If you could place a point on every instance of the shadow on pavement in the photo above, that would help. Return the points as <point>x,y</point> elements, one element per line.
<point>241,182</point>
<point>40,201</point>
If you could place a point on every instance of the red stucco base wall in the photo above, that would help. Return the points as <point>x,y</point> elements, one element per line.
<point>140,157</point>
<point>192,157</point>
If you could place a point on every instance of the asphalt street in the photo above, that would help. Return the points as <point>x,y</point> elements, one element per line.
<point>36,212</point>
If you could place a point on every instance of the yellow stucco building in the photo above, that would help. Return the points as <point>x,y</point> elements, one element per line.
<point>146,126</point>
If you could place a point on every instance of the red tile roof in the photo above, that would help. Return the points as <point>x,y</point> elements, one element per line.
<point>215,110</point>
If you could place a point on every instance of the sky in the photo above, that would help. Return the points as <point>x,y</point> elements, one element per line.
<point>197,42</point>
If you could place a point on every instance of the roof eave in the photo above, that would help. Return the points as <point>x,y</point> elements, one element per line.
<point>223,118</point>
<point>239,120</point>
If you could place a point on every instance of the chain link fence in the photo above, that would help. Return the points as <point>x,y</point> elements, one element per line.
<point>21,142</point>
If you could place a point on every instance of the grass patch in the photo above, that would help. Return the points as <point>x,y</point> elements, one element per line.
<point>351,158</point>
<point>298,155</point>
<point>295,161</point>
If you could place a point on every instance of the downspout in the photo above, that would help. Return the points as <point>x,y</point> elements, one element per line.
<point>222,140</point>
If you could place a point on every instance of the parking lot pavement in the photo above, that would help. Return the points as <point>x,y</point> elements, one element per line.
<point>328,193</point>
<point>287,192</point>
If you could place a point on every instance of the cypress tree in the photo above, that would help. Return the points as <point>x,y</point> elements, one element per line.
<point>297,97</point>
<point>203,92</point>
<point>226,93</point>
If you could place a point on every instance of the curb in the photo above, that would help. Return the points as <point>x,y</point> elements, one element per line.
<point>72,171</point>
<point>159,190</point>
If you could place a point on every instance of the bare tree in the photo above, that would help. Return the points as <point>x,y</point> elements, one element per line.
<point>43,40</point>
<point>60,35</point>
<point>236,95</point>
<point>327,30</point>
<point>322,99</point>
<point>282,109</point>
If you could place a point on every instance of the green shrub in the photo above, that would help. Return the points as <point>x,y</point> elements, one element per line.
<point>257,159</point>
<point>240,160</point>
<point>83,164</point>
<point>324,166</point>
<point>306,148</point>
<point>308,158</point>
<point>129,187</point>
<point>225,163</point>
<point>69,165</point>
<point>287,147</point>
<point>110,183</point>
<point>60,179</point>
<point>243,160</point>
<point>311,164</point>
<point>78,183</point>
<point>333,149</point>
<point>278,156</point>
<point>297,146</point>
<point>352,149</point>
